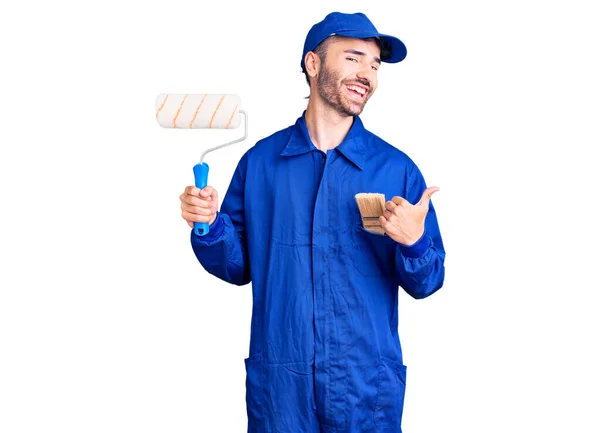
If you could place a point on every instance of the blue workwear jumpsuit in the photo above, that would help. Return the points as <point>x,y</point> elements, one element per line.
<point>325,355</point>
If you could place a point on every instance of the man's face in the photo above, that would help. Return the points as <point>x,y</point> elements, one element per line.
<point>348,76</point>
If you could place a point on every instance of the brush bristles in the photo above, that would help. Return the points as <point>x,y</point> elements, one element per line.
<point>371,207</point>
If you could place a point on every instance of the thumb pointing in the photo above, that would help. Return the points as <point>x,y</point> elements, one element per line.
<point>426,197</point>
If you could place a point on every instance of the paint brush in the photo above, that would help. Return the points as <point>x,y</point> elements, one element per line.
<point>371,207</point>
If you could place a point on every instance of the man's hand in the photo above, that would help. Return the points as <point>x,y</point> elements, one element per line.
<point>404,222</point>
<point>199,205</point>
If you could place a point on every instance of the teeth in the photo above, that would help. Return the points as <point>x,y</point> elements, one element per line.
<point>357,89</point>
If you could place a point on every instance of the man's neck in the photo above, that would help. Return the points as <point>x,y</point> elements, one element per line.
<point>326,127</point>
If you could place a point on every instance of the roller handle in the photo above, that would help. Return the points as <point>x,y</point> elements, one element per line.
<point>201,180</point>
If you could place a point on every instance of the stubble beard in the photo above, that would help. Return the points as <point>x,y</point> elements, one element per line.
<point>327,86</point>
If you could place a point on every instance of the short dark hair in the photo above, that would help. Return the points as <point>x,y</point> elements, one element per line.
<point>321,50</point>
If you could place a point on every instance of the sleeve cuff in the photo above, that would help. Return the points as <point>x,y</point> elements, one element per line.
<point>416,250</point>
<point>215,231</point>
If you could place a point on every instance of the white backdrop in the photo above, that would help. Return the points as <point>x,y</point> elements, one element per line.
<point>109,324</point>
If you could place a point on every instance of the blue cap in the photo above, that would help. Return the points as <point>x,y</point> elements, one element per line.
<point>355,25</point>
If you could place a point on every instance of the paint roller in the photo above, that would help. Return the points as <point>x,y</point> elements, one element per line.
<point>201,111</point>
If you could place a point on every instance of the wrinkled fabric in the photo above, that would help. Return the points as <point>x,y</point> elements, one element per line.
<point>325,354</point>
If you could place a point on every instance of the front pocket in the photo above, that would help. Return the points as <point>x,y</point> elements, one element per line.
<point>373,254</point>
<point>390,393</point>
<point>255,382</point>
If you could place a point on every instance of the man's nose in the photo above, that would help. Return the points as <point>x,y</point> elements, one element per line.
<point>366,74</point>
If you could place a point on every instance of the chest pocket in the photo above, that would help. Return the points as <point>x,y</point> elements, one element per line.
<point>373,254</point>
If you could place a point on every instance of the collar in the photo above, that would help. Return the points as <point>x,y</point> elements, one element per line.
<point>352,147</point>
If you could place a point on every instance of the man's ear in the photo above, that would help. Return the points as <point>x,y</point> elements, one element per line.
<point>312,64</point>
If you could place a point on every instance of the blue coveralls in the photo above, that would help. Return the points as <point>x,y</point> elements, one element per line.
<point>325,355</point>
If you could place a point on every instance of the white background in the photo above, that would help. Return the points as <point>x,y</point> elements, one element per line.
<point>109,324</point>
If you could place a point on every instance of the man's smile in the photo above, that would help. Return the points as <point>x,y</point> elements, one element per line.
<point>357,91</point>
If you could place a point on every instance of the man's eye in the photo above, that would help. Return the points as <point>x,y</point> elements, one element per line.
<point>350,58</point>
<point>374,68</point>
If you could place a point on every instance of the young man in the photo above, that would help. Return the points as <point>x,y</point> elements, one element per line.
<point>325,355</point>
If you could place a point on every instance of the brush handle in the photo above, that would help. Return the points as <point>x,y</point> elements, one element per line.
<point>201,180</point>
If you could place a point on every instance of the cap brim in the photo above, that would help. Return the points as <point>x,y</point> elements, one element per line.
<point>396,46</point>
